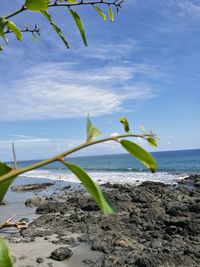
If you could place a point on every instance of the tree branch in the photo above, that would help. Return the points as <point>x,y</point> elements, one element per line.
<point>8,224</point>
<point>116,3</point>
<point>23,8</point>
<point>36,30</point>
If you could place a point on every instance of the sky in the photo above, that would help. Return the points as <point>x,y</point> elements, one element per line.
<point>145,66</point>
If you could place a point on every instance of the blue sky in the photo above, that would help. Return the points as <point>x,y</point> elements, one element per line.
<point>145,66</point>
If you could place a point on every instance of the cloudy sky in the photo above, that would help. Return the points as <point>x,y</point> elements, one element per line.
<point>145,66</point>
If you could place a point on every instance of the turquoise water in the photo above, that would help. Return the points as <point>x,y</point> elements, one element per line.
<point>172,166</point>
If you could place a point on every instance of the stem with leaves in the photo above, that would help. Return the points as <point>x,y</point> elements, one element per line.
<point>8,174</point>
<point>66,153</point>
<point>43,6</point>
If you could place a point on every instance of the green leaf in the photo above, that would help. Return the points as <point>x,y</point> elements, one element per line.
<point>152,141</point>
<point>110,12</point>
<point>124,121</point>
<point>12,27</point>
<point>72,1</point>
<point>3,24</point>
<point>55,27</point>
<point>5,259</point>
<point>4,185</point>
<point>37,5</point>
<point>79,25</point>
<point>92,188</point>
<point>140,154</point>
<point>34,37</point>
<point>100,12</point>
<point>1,48</point>
<point>92,132</point>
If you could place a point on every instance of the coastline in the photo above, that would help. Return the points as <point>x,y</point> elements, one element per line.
<point>156,225</point>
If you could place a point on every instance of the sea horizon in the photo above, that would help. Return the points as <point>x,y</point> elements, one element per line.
<point>122,168</point>
<point>107,155</point>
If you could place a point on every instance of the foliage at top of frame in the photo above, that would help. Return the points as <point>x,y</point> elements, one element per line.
<point>42,6</point>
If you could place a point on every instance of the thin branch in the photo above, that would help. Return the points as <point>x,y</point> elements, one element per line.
<point>8,224</point>
<point>23,8</point>
<point>68,4</point>
<point>39,164</point>
<point>35,30</point>
<point>116,3</point>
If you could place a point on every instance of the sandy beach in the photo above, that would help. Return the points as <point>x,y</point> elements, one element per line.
<point>156,225</point>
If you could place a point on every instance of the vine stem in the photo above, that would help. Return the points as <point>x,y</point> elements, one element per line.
<point>16,172</point>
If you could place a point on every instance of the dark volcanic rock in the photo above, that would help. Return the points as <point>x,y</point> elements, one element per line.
<point>30,187</point>
<point>193,179</point>
<point>40,259</point>
<point>61,254</point>
<point>156,225</point>
<point>35,201</point>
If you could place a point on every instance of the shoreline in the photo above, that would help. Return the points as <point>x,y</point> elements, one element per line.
<point>157,225</point>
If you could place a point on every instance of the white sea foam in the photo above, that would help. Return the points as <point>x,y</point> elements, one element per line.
<point>112,177</point>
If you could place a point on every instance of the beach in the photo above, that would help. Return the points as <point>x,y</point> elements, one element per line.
<point>156,225</point>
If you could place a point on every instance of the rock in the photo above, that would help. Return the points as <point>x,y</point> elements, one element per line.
<point>153,185</point>
<point>24,220</point>
<point>40,259</point>
<point>87,261</point>
<point>22,257</point>
<point>156,243</point>
<point>193,228</point>
<point>100,246</point>
<point>155,210</point>
<point>67,187</point>
<point>156,225</point>
<point>143,262</point>
<point>193,179</point>
<point>13,258</point>
<point>35,201</point>
<point>30,187</point>
<point>194,207</point>
<point>126,242</point>
<point>167,237</point>
<point>61,254</point>
<point>197,183</point>
<point>89,206</point>
<point>48,207</point>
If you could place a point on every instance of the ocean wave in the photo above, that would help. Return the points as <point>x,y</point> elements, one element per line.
<point>111,176</point>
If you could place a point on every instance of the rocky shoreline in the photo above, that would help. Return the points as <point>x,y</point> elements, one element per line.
<point>157,225</point>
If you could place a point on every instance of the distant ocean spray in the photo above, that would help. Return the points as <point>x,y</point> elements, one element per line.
<point>172,166</point>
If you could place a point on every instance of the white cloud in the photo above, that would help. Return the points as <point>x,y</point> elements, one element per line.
<point>61,90</point>
<point>109,50</point>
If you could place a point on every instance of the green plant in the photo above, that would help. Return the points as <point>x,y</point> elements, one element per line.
<point>5,259</point>
<point>43,6</point>
<point>8,174</point>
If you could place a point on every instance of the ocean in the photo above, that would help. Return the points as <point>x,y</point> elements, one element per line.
<point>123,168</point>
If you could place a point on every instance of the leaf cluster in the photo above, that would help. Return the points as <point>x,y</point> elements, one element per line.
<point>43,6</point>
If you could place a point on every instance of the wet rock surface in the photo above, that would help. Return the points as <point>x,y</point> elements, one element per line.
<point>156,225</point>
<point>30,187</point>
<point>61,254</point>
